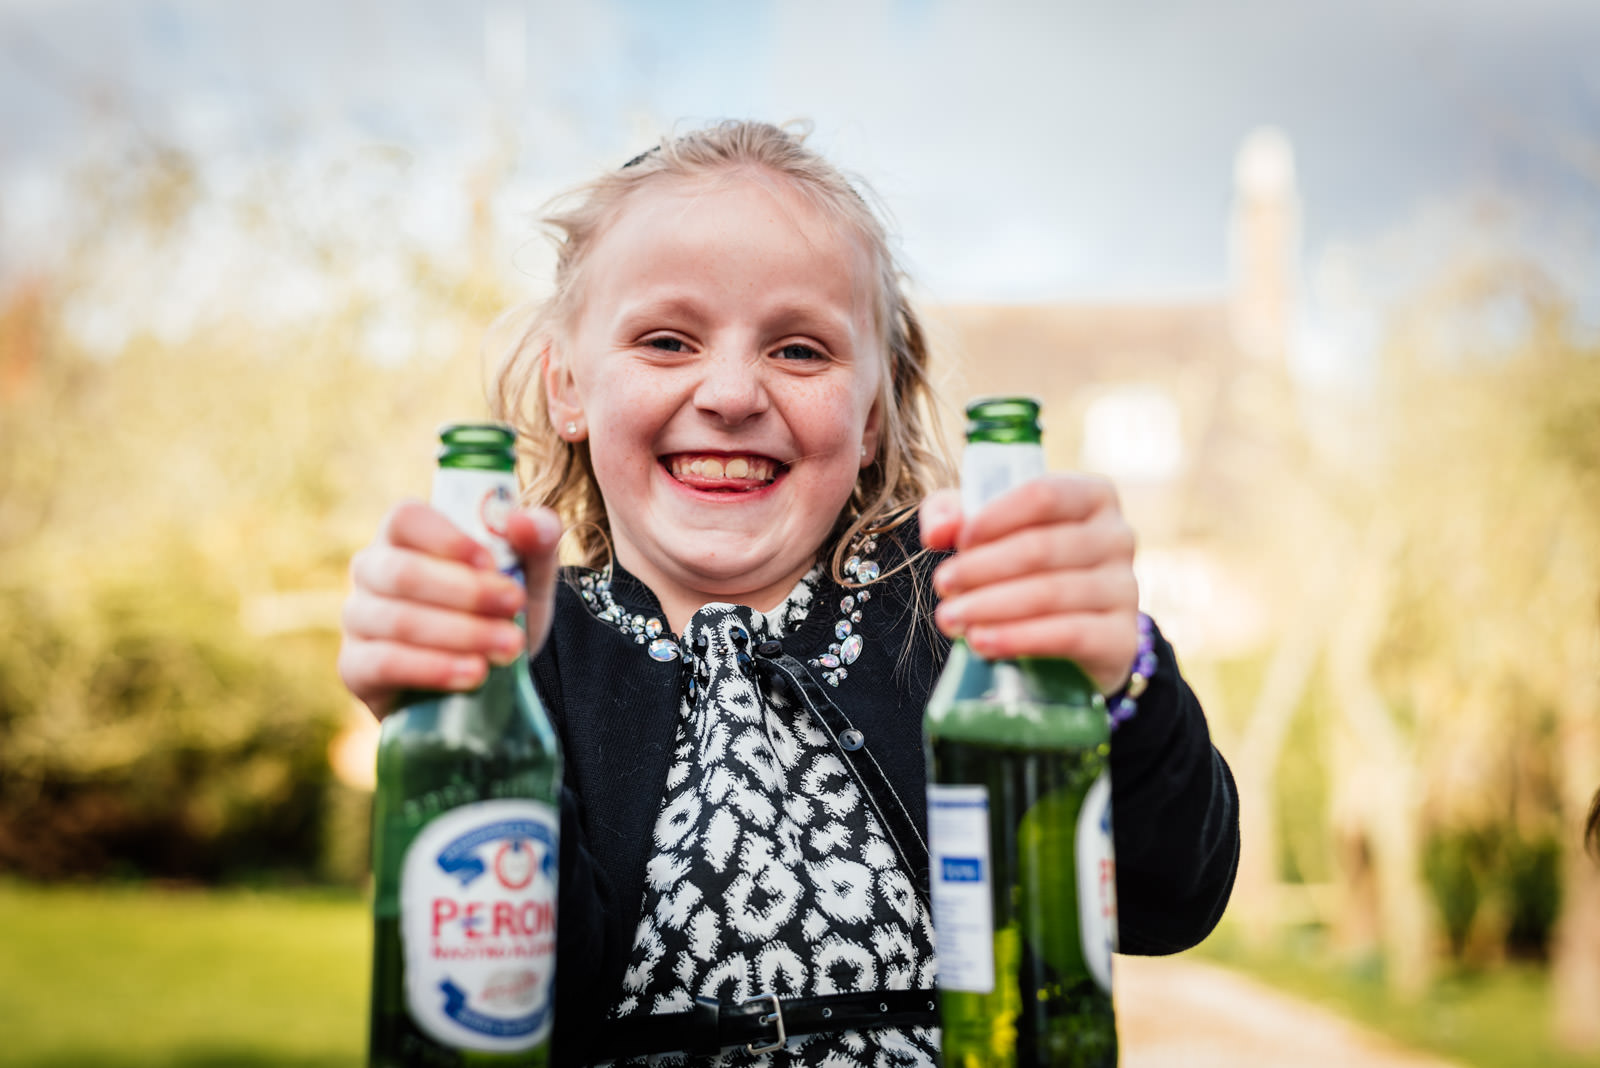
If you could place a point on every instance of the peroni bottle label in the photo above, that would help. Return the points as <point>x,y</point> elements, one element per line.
<point>963,913</point>
<point>477,907</point>
<point>1097,882</point>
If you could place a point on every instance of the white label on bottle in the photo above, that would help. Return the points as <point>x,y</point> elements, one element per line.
<point>477,925</point>
<point>1097,882</point>
<point>479,503</point>
<point>990,469</point>
<point>963,906</point>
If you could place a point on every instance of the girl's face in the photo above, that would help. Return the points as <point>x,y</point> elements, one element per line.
<point>725,363</point>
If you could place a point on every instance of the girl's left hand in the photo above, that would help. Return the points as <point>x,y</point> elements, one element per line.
<point>1045,570</point>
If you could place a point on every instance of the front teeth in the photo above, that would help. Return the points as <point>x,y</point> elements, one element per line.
<point>753,467</point>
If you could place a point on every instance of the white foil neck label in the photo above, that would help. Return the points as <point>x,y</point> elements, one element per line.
<point>990,469</point>
<point>1097,882</point>
<point>479,502</point>
<point>478,925</point>
<point>963,908</point>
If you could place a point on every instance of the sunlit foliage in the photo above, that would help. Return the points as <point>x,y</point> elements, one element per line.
<point>176,518</point>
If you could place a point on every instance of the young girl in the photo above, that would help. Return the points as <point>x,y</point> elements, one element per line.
<point>724,405</point>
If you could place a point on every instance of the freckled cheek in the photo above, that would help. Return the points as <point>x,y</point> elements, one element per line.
<point>621,468</point>
<point>838,414</point>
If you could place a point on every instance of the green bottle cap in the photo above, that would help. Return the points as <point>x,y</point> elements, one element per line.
<point>1004,420</point>
<point>485,446</point>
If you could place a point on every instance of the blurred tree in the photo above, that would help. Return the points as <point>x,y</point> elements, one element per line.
<point>1491,644</point>
<point>177,512</point>
<point>1444,633</point>
<point>1329,542</point>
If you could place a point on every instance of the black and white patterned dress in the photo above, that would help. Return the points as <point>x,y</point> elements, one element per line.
<point>769,872</point>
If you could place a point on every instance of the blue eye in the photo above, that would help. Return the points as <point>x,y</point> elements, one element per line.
<point>666,344</point>
<point>797,351</point>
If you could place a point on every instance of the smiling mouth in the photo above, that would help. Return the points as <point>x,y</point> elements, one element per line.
<point>723,473</point>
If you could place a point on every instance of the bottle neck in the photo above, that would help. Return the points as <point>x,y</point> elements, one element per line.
<point>990,469</point>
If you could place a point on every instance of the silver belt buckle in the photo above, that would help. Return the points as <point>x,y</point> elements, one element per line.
<point>774,1017</point>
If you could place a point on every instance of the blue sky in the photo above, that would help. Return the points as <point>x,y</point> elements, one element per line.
<point>1027,151</point>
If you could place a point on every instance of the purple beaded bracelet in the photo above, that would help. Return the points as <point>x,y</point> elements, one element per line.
<point>1126,702</point>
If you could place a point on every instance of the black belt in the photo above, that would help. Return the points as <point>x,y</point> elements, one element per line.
<point>762,1023</point>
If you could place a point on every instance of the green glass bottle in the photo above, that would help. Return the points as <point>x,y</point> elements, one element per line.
<point>1019,825</point>
<point>465,845</point>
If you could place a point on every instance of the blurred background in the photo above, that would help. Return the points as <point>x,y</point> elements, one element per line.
<point>1317,284</point>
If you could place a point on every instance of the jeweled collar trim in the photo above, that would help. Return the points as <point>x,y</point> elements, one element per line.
<point>594,587</point>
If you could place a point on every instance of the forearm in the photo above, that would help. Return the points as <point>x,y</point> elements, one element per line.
<point>1175,814</point>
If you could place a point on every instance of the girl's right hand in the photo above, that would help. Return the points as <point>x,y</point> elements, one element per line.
<point>428,610</point>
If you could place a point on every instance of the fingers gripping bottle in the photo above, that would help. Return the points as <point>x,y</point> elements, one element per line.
<point>1019,825</point>
<point>465,824</point>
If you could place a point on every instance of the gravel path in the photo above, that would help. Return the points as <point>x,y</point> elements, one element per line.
<point>1179,1013</point>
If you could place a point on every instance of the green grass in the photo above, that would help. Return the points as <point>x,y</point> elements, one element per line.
<point>122,977</point>
<point>138,977</point>
<point>1496,1018</point>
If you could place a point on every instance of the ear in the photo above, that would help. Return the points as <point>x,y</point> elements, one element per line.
<point>871,434</point>
<point>562,397</point>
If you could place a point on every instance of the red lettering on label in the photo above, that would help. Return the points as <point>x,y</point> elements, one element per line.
<point>537,917</point>
<point>518,988</point>
<point>1108,887</point>
<point>480,922</point>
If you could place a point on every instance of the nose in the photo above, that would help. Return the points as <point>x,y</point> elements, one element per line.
<point>732,387</point>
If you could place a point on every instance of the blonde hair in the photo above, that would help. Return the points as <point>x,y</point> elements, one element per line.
<point>911,460</point>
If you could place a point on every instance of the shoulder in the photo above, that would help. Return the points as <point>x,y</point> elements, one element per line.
<point>596,646</point>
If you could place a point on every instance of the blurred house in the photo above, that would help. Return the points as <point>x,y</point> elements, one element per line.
<point>1189,408</point>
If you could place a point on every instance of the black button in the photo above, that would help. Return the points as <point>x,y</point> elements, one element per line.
<point>770,648</point>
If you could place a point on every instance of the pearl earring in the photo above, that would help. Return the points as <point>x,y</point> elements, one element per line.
<point>572,430</point>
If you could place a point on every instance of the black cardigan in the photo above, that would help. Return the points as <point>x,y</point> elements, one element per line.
<point>1174,804</point>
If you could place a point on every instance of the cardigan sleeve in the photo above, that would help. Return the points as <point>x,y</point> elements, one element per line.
<point>1175,813</point>
<point>584,936</point>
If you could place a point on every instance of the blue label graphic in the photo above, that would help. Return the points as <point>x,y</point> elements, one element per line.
<point>961,869</point>
<point>460,858</point>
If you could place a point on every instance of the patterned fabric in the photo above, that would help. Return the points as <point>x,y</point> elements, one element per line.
<point>769,873</point>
